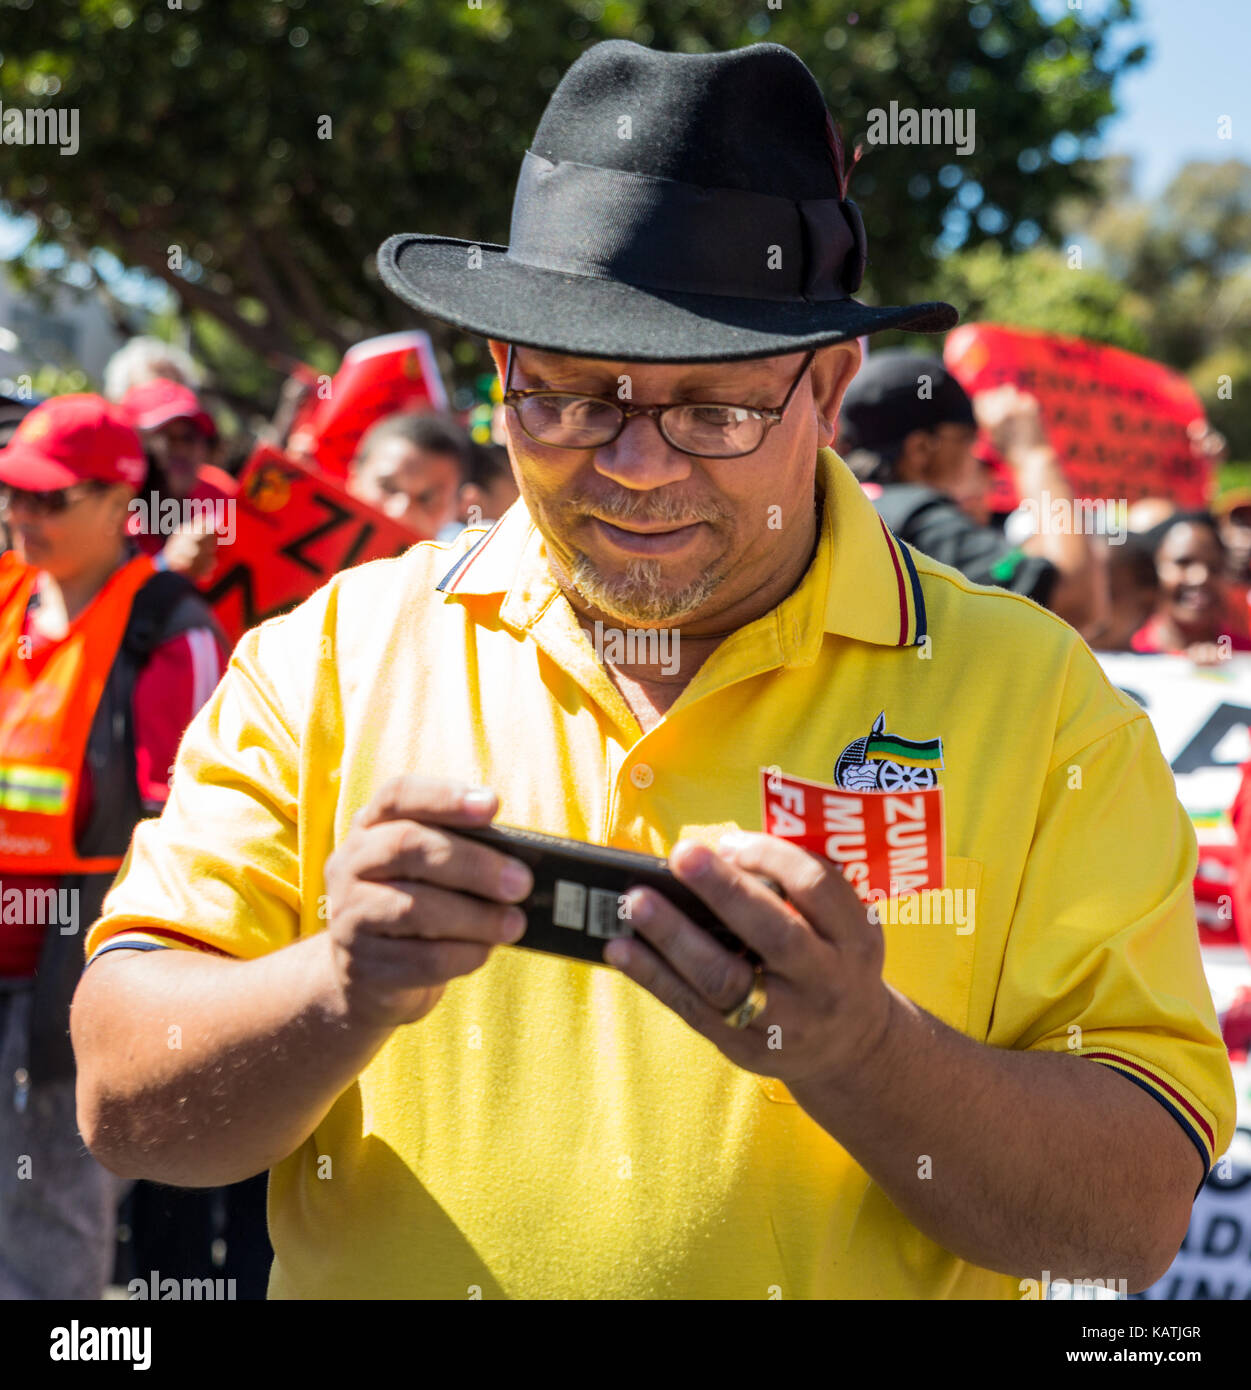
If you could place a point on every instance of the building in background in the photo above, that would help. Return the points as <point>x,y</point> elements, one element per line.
<point>57,326</point>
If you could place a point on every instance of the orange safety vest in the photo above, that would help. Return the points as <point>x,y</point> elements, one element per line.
<point>48,701</point>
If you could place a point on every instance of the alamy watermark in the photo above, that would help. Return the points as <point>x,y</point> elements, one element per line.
<point>44,907</point>
<point>163,516</point>
<point>155,1288</point>
<point>1081,516</point>
<point>944,907</point>
<point>939,125</point>
<point>1053,1290</point>
<point>79,1342</point>
<point>46,125</point>
<point>638,646</point>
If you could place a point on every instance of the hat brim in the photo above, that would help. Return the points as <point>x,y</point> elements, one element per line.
<point>588,317</point>
<point>160,415</point>
<point>25,468</point>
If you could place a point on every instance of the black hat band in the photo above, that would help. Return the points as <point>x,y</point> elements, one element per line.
<point>661,234</point>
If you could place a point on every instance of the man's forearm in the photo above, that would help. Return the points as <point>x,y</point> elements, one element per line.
<point>198,1071</point>
<point>1016,1161</point>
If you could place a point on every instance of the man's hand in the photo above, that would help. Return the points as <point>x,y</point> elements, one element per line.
<point>407,909</point>
<point>822,959</point>
<point>1206,444</point>
<point>191,552</point>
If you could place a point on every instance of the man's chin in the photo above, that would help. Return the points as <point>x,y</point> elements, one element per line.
<point>642,594</point>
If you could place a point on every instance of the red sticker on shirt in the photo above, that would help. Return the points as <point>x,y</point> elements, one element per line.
<point>888,844</point>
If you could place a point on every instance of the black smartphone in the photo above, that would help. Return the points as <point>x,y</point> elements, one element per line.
<point>577,906</point>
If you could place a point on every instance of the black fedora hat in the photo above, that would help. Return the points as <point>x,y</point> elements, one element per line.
<point>684,207</point>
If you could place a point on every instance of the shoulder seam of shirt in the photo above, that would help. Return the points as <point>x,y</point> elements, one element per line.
<point>1131,717</point>
<point>1132,714</point>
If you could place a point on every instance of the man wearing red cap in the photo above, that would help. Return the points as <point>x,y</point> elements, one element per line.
<point>103,661</point>
<point>177,434</point>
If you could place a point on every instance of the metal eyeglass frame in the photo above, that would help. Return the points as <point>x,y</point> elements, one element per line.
<point>770,417</point>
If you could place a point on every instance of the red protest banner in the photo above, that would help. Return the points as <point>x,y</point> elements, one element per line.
<point>1117,421</point>
<point>888,844</point>
<point>376,378</point>
<point>294,528</point>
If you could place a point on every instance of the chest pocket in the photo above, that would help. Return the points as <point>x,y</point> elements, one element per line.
<point>929,959</point>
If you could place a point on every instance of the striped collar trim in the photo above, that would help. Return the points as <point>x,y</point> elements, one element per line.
<point>874,592</point>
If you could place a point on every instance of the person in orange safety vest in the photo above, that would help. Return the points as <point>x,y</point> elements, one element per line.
<point>103,662</point>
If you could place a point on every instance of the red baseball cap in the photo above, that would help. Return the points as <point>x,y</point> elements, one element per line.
<point>155,403</point>
<point>72,439</point>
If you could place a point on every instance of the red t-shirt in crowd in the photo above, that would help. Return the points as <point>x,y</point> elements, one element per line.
<point>1150,639</point>
<point>179,677</point>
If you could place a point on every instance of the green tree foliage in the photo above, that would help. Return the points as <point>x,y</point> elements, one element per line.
<point>1039,289</point>
<point>203,160</point>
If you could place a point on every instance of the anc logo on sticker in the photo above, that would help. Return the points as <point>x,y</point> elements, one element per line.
<point>270,489</point>
<point>885,762</point>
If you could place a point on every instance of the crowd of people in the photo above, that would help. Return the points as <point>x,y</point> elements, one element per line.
<point>1166,580</point>
<point>109,651</point>
<point>294,978</point>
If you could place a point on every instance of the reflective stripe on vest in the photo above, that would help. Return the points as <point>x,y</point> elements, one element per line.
<point>26,788</point>
<point>48,701</point>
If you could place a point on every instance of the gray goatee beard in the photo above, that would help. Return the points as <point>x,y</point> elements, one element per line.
<point>639,595</point>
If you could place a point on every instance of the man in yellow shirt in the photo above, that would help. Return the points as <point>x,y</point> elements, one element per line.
<point>303,967</point>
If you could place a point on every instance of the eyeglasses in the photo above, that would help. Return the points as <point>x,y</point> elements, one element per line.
<point>707,429</point>
<point>51,503</point>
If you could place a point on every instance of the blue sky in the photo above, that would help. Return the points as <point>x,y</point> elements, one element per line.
<point>1197,71</point>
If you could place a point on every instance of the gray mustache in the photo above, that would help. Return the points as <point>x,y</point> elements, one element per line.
<point>670,512</point>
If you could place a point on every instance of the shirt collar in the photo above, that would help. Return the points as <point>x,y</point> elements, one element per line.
<point>862,582</point>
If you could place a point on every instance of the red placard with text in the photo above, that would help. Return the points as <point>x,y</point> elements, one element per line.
<point>294,528</point>
<point>888,844</point>
<point>1117,421</point>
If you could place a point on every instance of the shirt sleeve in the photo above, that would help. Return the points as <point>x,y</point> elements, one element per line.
<point>1102,960</point>
<point>219,869</point>
<point>179,677</point>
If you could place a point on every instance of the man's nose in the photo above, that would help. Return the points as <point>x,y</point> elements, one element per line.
<point>641,457</point>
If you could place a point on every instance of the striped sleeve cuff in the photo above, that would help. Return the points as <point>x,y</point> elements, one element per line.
<point>1196,1128</point>
<point>154,939</point>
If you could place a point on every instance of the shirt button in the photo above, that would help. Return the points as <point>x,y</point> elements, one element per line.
<point>641,775</point>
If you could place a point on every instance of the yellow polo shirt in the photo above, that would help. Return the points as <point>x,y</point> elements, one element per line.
<point>550,1130</point>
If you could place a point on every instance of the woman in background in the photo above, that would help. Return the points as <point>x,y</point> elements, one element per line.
<point>103,663</point>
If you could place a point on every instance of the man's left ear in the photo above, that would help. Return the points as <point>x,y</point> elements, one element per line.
<point>832,370</point>
<point>499,355</point>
